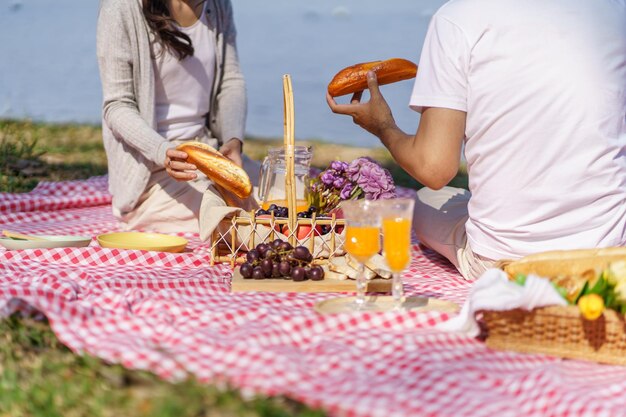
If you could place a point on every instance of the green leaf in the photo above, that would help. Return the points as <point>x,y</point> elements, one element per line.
<point>600,287</point>
<point>610,301</point>
<point>582,292</point>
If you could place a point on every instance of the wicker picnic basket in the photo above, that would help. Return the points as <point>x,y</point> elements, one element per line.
<point>239,233</point>
<point>559,330</point>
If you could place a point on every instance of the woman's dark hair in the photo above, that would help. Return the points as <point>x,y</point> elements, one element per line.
<point>160,21</point>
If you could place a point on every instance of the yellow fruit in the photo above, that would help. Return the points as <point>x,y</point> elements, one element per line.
<point>591,306</point>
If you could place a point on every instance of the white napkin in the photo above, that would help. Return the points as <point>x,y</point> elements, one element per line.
<point>494,291</point>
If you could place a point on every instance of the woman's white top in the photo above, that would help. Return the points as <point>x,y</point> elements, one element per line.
<point>183,88</point>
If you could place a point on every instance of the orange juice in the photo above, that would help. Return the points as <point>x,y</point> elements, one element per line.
<point>397,242</point>
<point>301,205</point>
<point>362,242</point>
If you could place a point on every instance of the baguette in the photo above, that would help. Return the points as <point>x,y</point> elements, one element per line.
<point>570,269</point>
<point>218,168</point>
<point>354,78</point>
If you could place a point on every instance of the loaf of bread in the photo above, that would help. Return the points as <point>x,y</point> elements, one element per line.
<point>218,168</point>
<point>570,269</point>
<point>354,78</point>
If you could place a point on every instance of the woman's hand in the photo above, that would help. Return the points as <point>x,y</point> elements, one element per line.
<point>232,151</point>
<point>176,166</point>
<point>374,116</point>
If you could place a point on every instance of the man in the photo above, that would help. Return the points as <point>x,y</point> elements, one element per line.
<point>535,90</point>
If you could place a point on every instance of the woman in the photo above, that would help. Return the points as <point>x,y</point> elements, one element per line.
<point>170,73</point>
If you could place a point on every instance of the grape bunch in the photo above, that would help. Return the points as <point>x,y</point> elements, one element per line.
<point>279,211</point>
<point>307,214</point>
<point>278,259</point>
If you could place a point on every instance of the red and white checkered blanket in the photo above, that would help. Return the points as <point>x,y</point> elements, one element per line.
<point>173,314</point>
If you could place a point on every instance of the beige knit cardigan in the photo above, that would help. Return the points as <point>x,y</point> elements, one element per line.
<point>133,146</point>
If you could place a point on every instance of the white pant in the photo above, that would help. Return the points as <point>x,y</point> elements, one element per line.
<point>439,222</point>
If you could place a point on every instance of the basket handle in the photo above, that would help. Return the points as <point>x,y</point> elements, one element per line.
<point>289,143</point>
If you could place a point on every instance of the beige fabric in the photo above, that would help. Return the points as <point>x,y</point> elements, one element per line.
<point>170,206</point>
<point>439,222</point>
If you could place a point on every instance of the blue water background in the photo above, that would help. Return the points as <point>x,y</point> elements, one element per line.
<point>48,68</point>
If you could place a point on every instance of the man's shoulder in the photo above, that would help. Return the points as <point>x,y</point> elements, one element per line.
<point>460,10</point>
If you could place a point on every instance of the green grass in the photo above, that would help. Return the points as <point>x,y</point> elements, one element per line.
<point>68,151</point>
<point>31,152</point>
<point>41,377</point>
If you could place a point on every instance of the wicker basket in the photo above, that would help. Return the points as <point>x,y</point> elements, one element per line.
<point>559,331</point>
<point>235,235</point>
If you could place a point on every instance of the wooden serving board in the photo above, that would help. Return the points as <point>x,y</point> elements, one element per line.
<point>240,284</point>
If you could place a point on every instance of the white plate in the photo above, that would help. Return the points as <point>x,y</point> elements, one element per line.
<point>386,303</point>
<point>51,242</point>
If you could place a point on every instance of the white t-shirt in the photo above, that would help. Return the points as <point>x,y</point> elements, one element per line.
<point>543,83</point>
<point>183,88</point>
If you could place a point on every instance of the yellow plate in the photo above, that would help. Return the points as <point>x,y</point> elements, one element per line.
<point>143,241</point>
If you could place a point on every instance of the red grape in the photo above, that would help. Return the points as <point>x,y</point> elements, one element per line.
<point>257,273</point>
<point>298,273</point>
<point>316,273</point>
<point>246,270</point>
<point>285,268</point>
<point>301,253</point>
<point>267,266</point>
<point>252,256</point>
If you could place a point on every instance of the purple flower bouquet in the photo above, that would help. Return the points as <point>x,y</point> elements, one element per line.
<point>361,178</point>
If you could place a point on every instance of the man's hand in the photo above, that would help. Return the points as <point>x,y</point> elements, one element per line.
<point>176,166</point>
<point>374,116</point>
<point>232,150</point>
<point>432,155</point>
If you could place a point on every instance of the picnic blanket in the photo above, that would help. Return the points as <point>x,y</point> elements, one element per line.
<point>173,314</point>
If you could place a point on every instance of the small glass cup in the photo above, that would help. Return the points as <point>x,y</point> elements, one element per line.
<point>397,216</point>
<point>362,242</point>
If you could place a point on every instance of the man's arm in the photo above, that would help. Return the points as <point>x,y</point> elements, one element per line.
<point>432,155</point>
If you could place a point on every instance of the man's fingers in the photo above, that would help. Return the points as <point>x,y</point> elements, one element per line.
<point>372,84</point>
<point>339,108</point>
<point>356,97</point>
<point>331,102</point>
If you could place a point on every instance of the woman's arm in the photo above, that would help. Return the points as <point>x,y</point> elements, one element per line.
<point>120,108</point>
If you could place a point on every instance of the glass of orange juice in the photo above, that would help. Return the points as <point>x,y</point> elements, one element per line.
<point>362,241</point>
<point>397,215</point>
